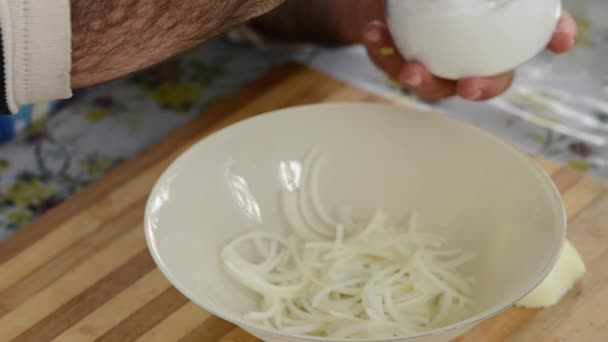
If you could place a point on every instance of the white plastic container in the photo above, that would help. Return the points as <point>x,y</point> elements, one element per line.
<point>466,38</point>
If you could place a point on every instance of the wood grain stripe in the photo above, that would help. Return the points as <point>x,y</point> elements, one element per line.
<point>581,195</point>
<point>589,232</point>
<point>239,335</point>
<point>71,284</point>
<point>112,312</point>
<point>499,327</point>
<point>70,257</point>
<point>210,331</point>
<point>90,299</point>
<point>348,94</point>
<point>176,325</point>
<point>566,177</point>
<point>146,317</point>
<point>77,228</point>
<point>47,248</point>
<point>549,166</point>
<point>91,195</point>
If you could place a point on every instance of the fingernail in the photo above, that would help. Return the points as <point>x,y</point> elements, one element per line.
<point>413,80</point>
<point>476,95</point>
<point>372,35</point>
<point>561,29</point>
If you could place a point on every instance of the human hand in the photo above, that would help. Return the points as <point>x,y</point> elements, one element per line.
<point>416,78</point>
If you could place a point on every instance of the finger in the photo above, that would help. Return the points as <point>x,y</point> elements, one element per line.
<point>418,79</point>
<point>481,89</point>
<point>564,37</point>
<point>381,48</point>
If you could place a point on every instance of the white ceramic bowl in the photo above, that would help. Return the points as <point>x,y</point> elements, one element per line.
<point>478,191</point>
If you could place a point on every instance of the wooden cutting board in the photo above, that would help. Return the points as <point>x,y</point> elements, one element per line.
<point>82,272</point>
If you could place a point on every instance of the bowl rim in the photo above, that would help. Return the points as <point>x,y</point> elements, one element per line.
<point>553,195</point>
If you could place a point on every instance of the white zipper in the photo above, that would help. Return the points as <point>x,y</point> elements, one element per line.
<point>38,50</point>
<point>6,25</point>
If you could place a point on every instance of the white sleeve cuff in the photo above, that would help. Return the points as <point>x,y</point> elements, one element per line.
<point>37,50</point>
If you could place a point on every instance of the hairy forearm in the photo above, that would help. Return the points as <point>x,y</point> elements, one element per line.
<point>112,38</point>
<point>329,22</point>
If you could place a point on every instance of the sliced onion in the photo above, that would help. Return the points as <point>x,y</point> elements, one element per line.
<point>340,279</point>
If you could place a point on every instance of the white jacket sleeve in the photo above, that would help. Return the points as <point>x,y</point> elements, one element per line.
<point>36,48</point>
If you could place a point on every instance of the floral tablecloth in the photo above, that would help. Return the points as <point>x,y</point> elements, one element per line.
<point>558,107</point>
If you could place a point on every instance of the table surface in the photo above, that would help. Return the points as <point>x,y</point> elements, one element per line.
<point>82,272</point>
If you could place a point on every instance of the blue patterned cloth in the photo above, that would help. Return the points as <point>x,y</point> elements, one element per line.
<point>27,115</point>
<point>7,128</point>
